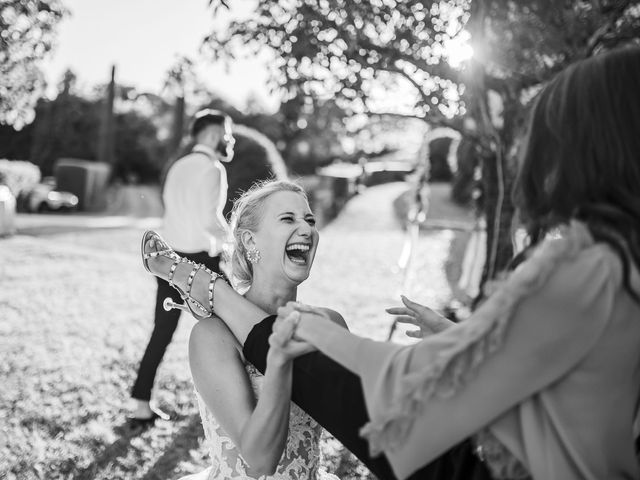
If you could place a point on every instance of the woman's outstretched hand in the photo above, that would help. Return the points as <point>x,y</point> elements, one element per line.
<point>427,321</point>
<point>283,341</point>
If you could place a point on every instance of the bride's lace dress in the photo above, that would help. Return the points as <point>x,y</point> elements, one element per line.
<point>300,460</point>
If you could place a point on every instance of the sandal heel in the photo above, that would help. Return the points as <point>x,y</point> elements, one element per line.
<point>169,305</point>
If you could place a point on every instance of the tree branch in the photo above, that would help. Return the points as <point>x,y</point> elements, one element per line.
<point>394,69</point>
<point>599,35</point>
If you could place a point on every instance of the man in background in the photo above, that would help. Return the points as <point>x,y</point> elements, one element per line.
<point>194,194</point>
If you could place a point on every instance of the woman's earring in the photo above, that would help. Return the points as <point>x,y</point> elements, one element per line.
<point>253,255</point>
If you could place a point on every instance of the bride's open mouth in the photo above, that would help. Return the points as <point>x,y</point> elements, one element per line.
<point>298,253</point>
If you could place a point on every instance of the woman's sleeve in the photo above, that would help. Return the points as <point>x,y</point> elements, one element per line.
<point>427,397</point>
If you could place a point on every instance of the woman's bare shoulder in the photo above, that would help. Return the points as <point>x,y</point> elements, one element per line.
<point>212,339</point>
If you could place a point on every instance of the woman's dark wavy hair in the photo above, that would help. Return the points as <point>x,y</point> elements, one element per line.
<point>581,157</point>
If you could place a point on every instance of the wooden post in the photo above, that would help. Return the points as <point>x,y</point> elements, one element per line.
<point>177,126</point>
<point>106,134</point>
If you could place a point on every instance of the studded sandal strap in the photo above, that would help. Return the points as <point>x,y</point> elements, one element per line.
<point>172,270</point>
<point>192,275</point>
<point>165,253</point>
<point>212,283</point>
<point>214,276</point>
<point>177,261</point>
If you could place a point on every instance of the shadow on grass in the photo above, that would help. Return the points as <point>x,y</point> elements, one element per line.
<point>185,440</point>
<point>117,449</point>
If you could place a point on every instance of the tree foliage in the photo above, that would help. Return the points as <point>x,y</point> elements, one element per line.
<point>27,33</point>
<point>346,49</point>
<point>403,58</point>
<point>312,132</point>
<point>68,127</point>
<point>255,158</point>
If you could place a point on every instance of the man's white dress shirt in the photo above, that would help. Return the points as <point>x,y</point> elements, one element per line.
<point>194,195</point>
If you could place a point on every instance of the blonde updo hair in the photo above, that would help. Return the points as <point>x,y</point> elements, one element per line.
<point>246,215</point>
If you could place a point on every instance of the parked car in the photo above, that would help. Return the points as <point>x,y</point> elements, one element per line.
<point>45,198</point>
<point>7,211</point>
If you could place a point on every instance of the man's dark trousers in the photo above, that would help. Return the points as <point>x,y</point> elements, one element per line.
<point>164,327</point>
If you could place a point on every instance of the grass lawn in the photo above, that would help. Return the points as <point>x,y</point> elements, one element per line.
<point>75,316</point>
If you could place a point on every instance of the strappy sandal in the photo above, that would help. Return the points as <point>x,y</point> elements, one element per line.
<point>190,304</point>
<point>167,251</point>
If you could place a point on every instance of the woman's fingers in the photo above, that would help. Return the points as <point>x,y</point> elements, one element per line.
<point>285,310</point>
<point>399,311</point>
<point>420,310</point>
<point>410,304</point>
<point>302,307</point>
<point>292,348</point>
<point>297,307</point>
<point>429,321</point>
<point>284,327</point>
<point>415,333</point>
<point>282,336</point>
<point>408,319</point>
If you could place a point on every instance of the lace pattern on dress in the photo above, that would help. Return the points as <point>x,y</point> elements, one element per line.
<point>478,338</point>
<point>300,459</point>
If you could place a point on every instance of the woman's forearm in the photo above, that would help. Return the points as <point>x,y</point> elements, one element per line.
<point>331,339</point>
<point>264,436</point>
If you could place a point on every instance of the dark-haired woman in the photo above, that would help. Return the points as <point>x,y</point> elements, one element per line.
<point>545,376</point>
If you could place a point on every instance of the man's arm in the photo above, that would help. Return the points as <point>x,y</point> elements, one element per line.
<point>211,197</point>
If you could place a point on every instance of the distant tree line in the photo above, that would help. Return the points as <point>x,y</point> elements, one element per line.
<point>68,126</point>
<point>144,131</point>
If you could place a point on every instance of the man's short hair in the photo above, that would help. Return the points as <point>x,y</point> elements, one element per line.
<point>207,117</point>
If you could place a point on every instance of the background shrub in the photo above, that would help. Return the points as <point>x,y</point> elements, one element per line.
<point>20,176</point>
<point>438,158</point>
<point>255,158</point>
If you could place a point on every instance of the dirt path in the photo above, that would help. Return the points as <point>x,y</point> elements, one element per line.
<point>356,270</point>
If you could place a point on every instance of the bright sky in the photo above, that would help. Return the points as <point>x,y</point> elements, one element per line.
<point>143,38</point>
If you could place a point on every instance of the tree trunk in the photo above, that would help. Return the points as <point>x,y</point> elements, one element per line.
<point>106,137</point>
<point>177,127</point>
<point>497,181</point>
<point>42,151</point>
